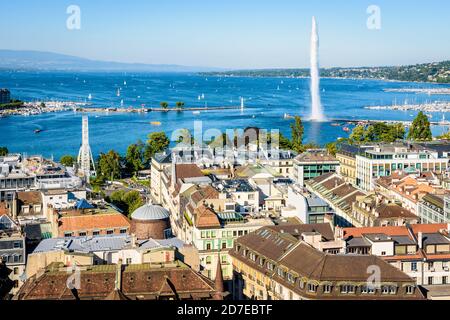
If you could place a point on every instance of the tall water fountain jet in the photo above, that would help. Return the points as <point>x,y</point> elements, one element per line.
<point>317,112</point>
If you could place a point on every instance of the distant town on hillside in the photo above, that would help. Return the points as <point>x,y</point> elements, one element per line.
<point>437,72</point>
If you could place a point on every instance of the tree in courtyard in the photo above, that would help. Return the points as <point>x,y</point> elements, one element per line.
<point>128,202</point>
<point>3,151</point>
<point>420,129</point>
<point>157,142</point>
<point>297,130</point>
<point>68,160</point>
<point>134,159</point>
<point>109,165</point>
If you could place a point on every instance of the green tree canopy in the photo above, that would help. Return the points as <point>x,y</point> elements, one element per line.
<point>164,105</point>
<point>68,160</point>
<point>3,151</point>
<point>297,130</point>
<point>109,165</point>
<point>279,140</point>
<point>128,202</point>
<point>358,134</point>
<point>420,129</point>
<point>378,132</point>
<point>157,142</point>
<point>179,104</point>
<point>134,158</point>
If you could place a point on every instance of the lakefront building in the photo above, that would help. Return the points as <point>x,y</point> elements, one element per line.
<point>382,160</point>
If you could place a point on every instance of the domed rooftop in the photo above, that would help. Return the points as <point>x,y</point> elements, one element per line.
<point>150,212</point>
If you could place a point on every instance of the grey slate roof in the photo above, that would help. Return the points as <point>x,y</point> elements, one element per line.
<point>102,243</point>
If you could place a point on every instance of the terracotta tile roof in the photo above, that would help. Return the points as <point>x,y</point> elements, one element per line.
<point>206,218</point>
<point>298,229</point>
<point>332,183</point>
<point>394,231</point>
<point>204,193</point>
<point>387,211</point>
<point>90,222</point>
<point>184,171</point>
<point>323,177</point>
<point>144,282</point>
<point>319,266</point>
<point>29,197</point>
<point>3,209</point>
<point>268,242</point>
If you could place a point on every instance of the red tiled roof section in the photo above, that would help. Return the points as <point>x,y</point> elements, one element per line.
<point>3,209</point>
<point>30,197</point>
<point>89,222</point>
<point>205,193</point>
<point>394,211</point>
<point>184,171</point>
<point>314,264</point>
<point>138,282</point>
<point>394,231</point>
<point>206,218</point>
<point>157,282</point>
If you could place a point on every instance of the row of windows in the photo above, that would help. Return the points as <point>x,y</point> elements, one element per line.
<point>13,258</point>
<point>94,233</point>
<point>225,234</point>
<point>348,289</point>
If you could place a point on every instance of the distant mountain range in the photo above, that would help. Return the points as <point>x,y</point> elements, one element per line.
<point>38,60</point>
<point>437,72</point>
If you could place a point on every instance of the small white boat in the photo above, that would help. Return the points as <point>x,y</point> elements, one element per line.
<point>90,96</point>
<point>195,112</point>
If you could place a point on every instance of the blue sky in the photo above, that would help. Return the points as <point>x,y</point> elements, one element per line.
<point>232,33</point>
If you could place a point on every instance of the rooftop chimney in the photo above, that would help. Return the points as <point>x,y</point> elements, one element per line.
<point>420,240</point>
<point>133,240</point>
<point>118,282</point>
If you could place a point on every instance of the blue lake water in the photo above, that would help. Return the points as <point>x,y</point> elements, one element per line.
<point>267,100</point>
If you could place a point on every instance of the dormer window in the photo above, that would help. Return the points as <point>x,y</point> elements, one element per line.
<point>290,278</point>
<point>327,288</point>
<point>410,289</point>
<point>261,261</point>
<point>281,273</point>
<point>347,289</point>
<point>312,287</point>
<point>302,284</point>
